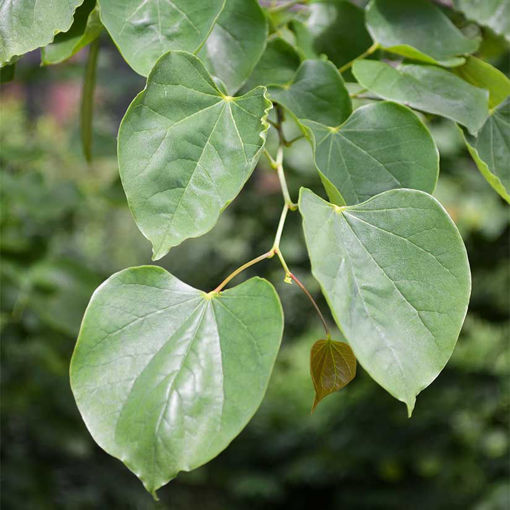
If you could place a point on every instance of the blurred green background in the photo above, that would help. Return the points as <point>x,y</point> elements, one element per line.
<point>65,227</point>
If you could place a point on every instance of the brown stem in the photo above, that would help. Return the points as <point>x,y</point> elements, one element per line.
<point>315,305</point>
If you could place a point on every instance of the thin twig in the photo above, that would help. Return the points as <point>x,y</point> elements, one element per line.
<point>370,50</point>
<point>315,305</point>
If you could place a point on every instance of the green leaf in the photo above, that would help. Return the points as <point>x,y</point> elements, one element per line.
<point>85,28</point>
<point>236,43</point>
<point>381,146</point>
<point>277,66</point>
<point>317,92</point>
<point>185,150</point>
<point>426,88</point>
<point>494,14</point>
<point>395,274</point>
<point>303,40</point>
<point>165,375</point>
<point>484,76</point>
<point>338,30</point>
<point>143,31</point>
<point>490,149</point>
<point>28,24</point>
<point>418,30</point>
<point>332,367</point>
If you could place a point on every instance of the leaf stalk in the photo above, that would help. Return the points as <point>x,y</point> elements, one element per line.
<point>87,100</point>
<point>240,269</point>
<point>372,49</point>
<point>314,303</point>
<point>283,182</point>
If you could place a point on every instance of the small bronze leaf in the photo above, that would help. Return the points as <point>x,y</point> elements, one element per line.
<point>332,366</point>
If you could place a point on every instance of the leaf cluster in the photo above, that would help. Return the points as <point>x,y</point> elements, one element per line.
<point>166,375</point>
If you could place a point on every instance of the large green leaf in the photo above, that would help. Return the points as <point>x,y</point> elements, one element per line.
<point>145,30</point>
<point>490,149</point>
<point>380,147</point>
<point>185,150</point>
<point>483,75</point>
<point>494,14</point>
<point>317,92</point>
<point>165,375</point>
<point>236,43</point>
<point>396,276</point>
<point>426,88</point>
<point>418,29</point>
<point>28,24</point>
<point>338,30</point>
<point>85,28</point>
<point>277,66</point>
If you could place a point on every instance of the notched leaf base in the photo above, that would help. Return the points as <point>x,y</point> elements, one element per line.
<point>164,377</point>
<point>395,274</point>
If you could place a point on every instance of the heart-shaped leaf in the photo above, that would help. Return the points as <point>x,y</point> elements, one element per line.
<point>490,149</point>
<point>426,88</point>
<point>85,28</point>
<point>418,30</point>
<point>165,376</point>
<point>395,274</point>
<point>494,14</point>
<point>381,146</point>
<point>317,92</point>
<point>332,367</point>
<point>145,30</point>
<point>337,28</point>
<point>185,150</point>
<point>483,75</point>
<point>277,66</point>
<point>236,43</point>
<point>27,24</point>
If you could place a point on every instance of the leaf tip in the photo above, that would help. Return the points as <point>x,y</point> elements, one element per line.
<point>410,406</point>
<point>158,254</point>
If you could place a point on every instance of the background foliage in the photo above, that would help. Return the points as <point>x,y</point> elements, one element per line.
<point>66,227</point>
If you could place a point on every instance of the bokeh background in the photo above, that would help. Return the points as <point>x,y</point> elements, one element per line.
<point>65,227</point>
